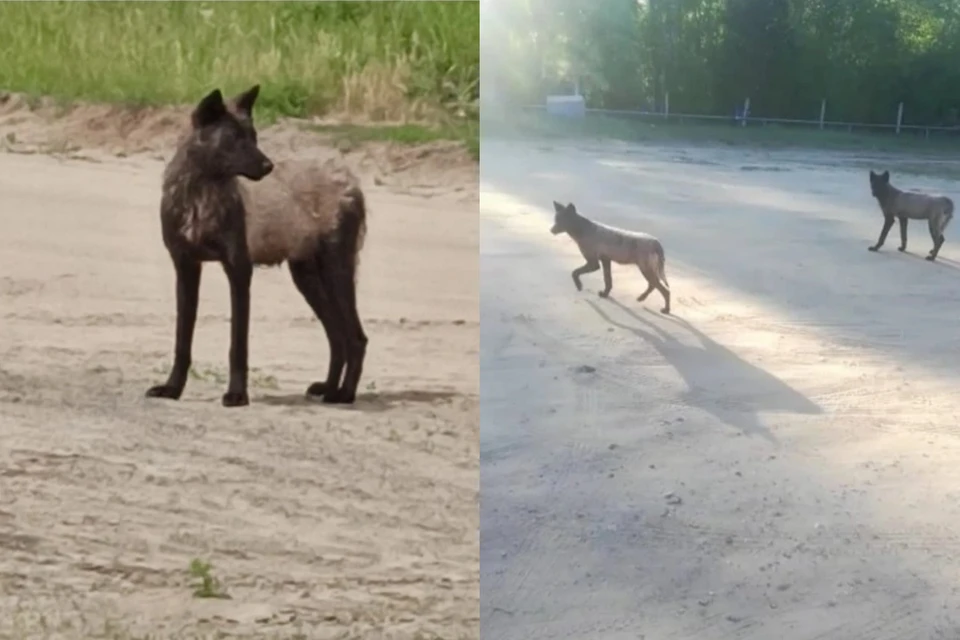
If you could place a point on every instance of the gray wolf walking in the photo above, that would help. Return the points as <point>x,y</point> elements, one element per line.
<point>311,217</point>
<point>601,244</point>
<point>937,210</point>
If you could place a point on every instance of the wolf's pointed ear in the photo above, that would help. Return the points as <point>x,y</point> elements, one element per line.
<point>571,207</point>
<point>886,176</point>
<point>210,110</point>
<point>872,174</point>
<point>245,101</point>
<point>557,206</point>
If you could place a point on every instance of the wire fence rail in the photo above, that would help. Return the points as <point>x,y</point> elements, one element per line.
<point>742,117</point>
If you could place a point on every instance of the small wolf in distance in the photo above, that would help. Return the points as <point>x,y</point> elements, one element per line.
<point>601,244</point>
<point>937,210</point>
<point>305,214</point>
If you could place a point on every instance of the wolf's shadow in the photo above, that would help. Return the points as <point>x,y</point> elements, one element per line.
<point>718,380</point>
<point>367,402</point>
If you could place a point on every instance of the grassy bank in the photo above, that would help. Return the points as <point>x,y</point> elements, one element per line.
<point>538,125</point>
<point>369,61</point>
<point>405,134</point>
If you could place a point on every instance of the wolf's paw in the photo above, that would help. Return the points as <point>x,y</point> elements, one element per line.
<point>235,399</point>
<point>164,391</point>
<point>317,389</point>
<point>901,249</point>
<point>931,258</point>
<point>603,294</point>
<point>872,248</point>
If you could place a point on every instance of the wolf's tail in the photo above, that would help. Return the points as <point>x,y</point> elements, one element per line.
<point>661,265</point>
<point>353,227</point>
<point>947,215</point>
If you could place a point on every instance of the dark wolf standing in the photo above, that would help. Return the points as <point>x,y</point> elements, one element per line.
<point>310,217</point>
<point>909,205</point>
<point>601,244</point>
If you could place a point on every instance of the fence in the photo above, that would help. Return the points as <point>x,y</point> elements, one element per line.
<point>742,117</point>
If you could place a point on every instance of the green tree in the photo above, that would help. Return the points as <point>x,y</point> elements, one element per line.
<point>862,56</point>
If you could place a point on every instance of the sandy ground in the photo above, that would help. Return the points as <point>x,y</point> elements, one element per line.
<point>319,521</point>
<point>780,459</point>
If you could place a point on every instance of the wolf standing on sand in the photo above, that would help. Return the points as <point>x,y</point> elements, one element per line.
<point>601,244</point>
<point>910,205</point>
<point>306,215</point>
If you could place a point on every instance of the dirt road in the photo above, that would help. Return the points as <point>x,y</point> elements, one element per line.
<point>327,522</point>
<point>779,459</point>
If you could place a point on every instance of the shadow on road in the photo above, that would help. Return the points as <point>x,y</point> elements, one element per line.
<point>708,368</point>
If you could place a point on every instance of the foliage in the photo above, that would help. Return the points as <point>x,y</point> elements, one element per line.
<point>862,56</point>
<point>378,60</point>
<point>209,586</point>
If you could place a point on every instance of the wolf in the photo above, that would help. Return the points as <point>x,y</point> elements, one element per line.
<point>937,210</point>
<point>297,212</point>
<point>601,244</point>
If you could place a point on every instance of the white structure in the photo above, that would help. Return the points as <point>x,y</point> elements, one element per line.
<point>567,106</point>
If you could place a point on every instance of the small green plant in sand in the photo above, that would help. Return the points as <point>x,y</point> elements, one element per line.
<point>212,374</point>
<point>209,586</point>
<point>263,380</point>
<point>209,374</point>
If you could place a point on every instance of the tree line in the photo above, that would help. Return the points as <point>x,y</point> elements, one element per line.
<point>862,56</point>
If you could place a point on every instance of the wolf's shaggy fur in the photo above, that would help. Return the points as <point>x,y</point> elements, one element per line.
<point>301,203</point>
<point>909,205</point>
<point>311,216</point>
<point>601,244</point>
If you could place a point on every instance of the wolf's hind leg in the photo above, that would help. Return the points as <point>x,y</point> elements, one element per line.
<point>308,280</point>
<point>590,267</point>
<point>936,234</point>
<point>650,288</point>
<point>653,282</point>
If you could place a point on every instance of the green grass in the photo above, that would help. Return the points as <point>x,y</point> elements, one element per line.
<point>209,586</point>
<point>394,61</point>
<point>467,132</point>
<point>649,130</point>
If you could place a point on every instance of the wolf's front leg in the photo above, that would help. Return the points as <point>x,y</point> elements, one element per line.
<point>239,274</point>
<point>188,296</point>
<point>903,234</point>
<point>607,277</point>
<point>887,224</point>
<point>590,267</point>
